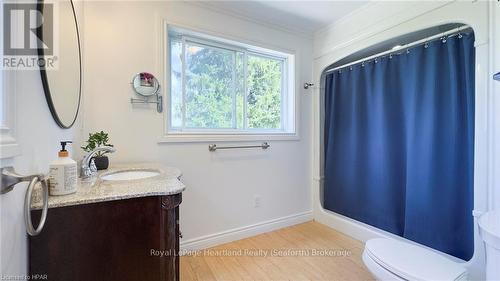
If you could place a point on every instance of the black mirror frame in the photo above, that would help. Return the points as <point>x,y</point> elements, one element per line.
<point>43,73</point>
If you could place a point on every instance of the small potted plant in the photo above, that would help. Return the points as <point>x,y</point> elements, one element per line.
<point>98,139</point>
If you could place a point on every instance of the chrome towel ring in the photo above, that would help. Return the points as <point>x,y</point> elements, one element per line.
<point>27,206</point>
<point>9,178</point>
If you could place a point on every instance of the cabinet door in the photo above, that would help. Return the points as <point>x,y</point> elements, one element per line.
<point>102,241</point>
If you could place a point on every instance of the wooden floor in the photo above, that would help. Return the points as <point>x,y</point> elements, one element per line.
<point>292,254</point>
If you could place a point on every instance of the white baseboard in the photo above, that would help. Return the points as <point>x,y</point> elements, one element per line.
<point>234,234</point>
<point>348,226</point>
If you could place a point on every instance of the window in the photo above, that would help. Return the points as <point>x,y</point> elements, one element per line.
<point>221,87</point>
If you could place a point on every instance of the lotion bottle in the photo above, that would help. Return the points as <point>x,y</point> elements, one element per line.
<point>63,173</point>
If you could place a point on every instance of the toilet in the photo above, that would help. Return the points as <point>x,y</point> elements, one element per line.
<point>390,259</point>
<point>489,229</point>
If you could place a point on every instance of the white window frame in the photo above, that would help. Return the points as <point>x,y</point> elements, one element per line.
<point>288,130</point>
<point>8,144</point>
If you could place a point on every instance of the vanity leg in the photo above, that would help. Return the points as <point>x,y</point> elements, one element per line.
<point>170,237</point>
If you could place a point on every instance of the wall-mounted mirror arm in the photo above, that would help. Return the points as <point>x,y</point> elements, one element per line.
<point>146,85</point>
<point>158,102</point>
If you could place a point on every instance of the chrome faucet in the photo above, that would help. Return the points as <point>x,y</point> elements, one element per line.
<point>88,168</point>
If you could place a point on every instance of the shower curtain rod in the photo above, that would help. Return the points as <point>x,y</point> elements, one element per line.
<point>399,50</point>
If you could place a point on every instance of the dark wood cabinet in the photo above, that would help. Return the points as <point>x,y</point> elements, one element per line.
<point>132,239</point>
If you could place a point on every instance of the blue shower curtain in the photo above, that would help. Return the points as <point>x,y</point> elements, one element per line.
<point>399,144</point>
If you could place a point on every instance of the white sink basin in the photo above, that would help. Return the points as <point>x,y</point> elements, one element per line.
<point>130,175</point>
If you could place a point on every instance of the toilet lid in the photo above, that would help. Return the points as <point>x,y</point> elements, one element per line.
<point>412,262</point>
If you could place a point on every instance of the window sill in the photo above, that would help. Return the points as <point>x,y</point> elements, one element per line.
<point>199,137</point>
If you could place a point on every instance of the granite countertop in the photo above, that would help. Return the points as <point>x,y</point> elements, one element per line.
<point>98,190</point>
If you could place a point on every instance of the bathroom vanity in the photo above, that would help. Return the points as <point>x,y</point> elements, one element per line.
<point>122,228</point>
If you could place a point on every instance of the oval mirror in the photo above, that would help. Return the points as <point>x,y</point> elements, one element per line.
<point>145,84</point>
<point>61,80</point>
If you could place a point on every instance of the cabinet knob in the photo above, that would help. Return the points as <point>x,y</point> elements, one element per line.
<point>180,234</point>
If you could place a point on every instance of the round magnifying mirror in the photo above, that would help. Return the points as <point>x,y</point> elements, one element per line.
<point>145,84</point>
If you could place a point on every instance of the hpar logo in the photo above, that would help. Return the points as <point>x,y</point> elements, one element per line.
<point>29,36</point>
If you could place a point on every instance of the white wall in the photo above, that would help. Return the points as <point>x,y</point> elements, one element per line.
<point>38,137</point>
<point>122,39</point>
<point>380,21</point>
<point>495,47</point>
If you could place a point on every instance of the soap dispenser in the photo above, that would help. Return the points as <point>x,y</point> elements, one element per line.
<point>63,173</point>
